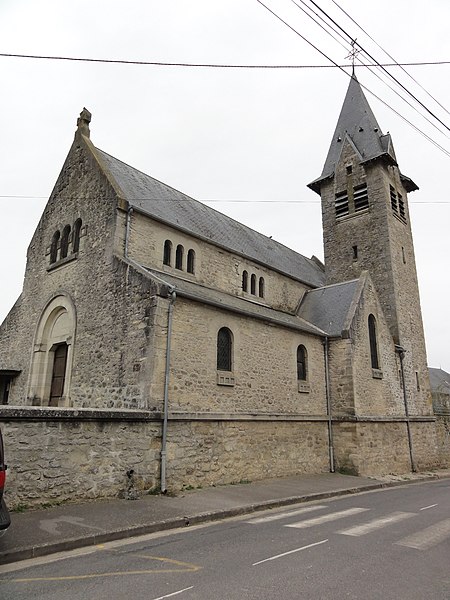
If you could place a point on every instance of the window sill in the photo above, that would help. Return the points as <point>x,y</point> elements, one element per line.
<point>225,378</point>
<point>303,387</point>
<point>377,374</point>
<point>62,261</point>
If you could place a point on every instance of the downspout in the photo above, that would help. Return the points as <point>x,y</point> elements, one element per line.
<point>401,353</point>
<point>328,397</point>
<point>127,229</point>
<point>173,297</point>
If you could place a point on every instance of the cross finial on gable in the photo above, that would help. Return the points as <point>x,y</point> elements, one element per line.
<point>83,122</point>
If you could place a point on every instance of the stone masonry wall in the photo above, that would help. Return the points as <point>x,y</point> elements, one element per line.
<point>218,452</point>
<point>264,365</point>
<point>214,267</point>
<point>52,460</point>
<point>115,308</point>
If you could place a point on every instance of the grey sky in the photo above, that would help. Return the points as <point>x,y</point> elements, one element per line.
<point>219,134</point>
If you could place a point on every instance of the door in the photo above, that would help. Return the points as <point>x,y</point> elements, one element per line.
<point>58,375</point>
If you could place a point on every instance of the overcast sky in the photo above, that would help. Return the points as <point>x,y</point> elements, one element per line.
<point>252,136</point>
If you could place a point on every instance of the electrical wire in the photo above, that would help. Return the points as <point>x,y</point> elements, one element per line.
<point>426,136</point>
<point>383,68</point>
<point>391,57</point>
<point>214,65</point>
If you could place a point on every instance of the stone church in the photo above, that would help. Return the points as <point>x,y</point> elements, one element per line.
<point>159,337</point>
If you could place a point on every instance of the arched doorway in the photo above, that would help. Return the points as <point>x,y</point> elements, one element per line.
<point>52,354</point>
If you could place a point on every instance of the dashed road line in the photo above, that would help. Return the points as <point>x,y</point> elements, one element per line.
<point>289,552</point>
<point>427,507</point>
<point>174,593</point>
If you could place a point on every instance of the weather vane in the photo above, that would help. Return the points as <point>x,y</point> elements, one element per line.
<point>353,54</point>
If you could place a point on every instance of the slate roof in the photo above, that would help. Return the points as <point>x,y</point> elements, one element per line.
<point>439,380</point>
<point>178,210</point>
<point>358,123</point>
<point>328,308</point>
<point>217,298</point>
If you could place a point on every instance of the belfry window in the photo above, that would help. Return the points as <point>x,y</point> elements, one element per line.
<point>224,350</point>
<point>302,367</point>
<point>373,342</point>
<point>167,256</point>
<point>341,204</point>
<point>360,197</point>
<point>253,284</point>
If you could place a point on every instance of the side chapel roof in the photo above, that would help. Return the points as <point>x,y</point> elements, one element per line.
<point>178,210</point>
<point>329,307</point>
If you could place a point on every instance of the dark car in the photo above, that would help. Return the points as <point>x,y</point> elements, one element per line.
<point>5,519</point>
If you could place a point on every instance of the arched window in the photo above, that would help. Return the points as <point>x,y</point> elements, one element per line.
<point>253,284</point>
<point>245,281</point>
<point>54,247</point>
<point>179,257</point>
<point>65,241</point>
<point>167,257</point>
<point>76,235</point>
<point>373,342</point>
<point>224,350</point>
<point>302,363</point>
<point>261,287</point>
<point>191,261</point>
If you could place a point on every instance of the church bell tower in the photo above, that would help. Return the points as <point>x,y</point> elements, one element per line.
<point>366,227</point>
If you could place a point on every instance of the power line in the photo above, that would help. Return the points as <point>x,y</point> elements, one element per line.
<point>426,136</point>
<point>216,65</point>
<point>391,57</point>
<point>209,201</point>
<point>383,68</point>
<point>326,29</point>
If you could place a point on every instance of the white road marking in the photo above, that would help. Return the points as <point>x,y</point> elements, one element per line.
<point>174,593</point>
<point>284,515</point>
<point>326,518</point>
<point>422,540</point>
<point>376,524</point>
<point>427,507</point>
<point>289,552</point>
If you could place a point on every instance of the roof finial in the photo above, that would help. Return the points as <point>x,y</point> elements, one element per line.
<point>353,54</point>
<point>83,122</point>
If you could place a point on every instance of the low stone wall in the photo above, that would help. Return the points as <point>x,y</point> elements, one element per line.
<point>58,455</point>
<point>219,452</point>
<point>372,447</point>
<point>443,440</point>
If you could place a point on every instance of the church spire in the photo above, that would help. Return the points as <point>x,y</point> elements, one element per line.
<point>358,124</point>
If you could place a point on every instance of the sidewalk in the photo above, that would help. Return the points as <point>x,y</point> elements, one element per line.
<point>39,532</point>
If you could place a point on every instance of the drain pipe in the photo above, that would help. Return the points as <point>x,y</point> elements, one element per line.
<point>173,297</point>
<point>401,354</point>
<point>127,229</point>
<point>328,397</point>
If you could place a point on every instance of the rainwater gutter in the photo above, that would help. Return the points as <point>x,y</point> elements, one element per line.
<point>401,354</point>
<point>328,397</point>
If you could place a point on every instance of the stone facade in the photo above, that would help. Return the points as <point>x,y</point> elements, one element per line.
<point>114,355</point>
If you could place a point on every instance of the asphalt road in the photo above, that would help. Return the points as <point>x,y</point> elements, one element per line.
<point>388,544</point>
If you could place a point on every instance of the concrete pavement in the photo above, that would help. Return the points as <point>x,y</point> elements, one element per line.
<point>45,531</point>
